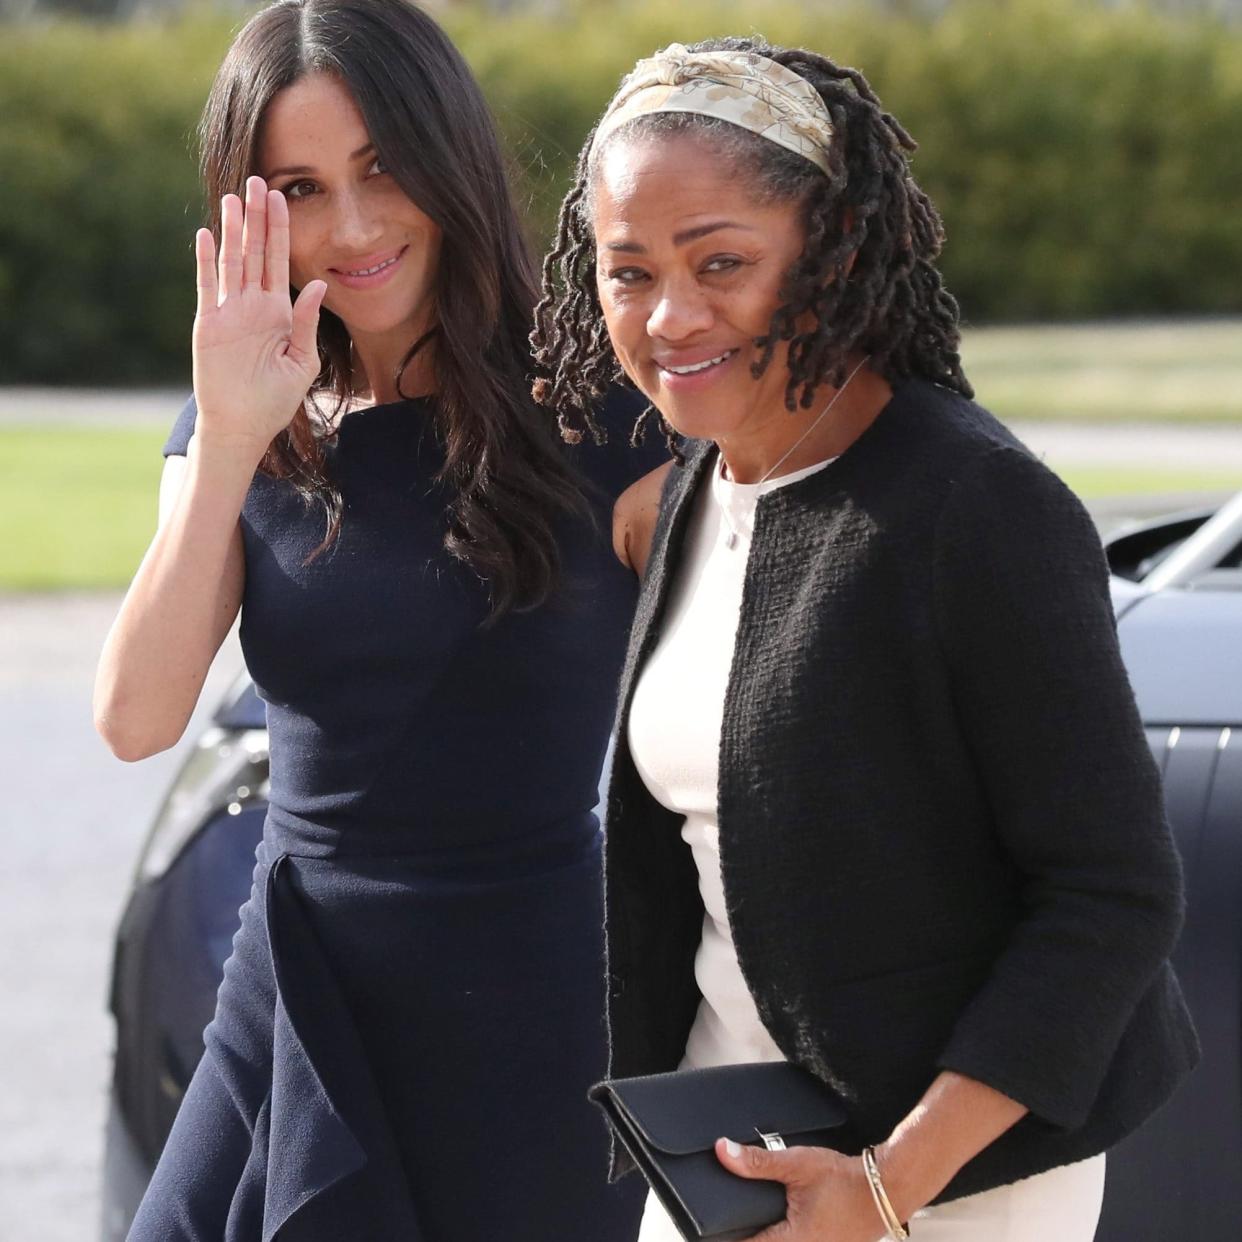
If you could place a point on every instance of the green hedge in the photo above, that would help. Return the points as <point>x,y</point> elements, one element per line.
<point>99,198</point>
<point>1085,159</point>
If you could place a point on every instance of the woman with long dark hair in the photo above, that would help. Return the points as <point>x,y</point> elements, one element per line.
<point>430,607</point>
<point>882,805</point>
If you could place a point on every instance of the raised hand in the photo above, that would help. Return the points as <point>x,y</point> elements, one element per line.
<point>254,353</point>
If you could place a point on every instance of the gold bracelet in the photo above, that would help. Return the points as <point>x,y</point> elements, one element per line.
<point>892,1222</point>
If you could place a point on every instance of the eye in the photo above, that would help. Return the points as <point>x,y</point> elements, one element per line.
<point>299,189</point>
<point>378,168</point>
<point>627,275</point>
<point>722,263</point>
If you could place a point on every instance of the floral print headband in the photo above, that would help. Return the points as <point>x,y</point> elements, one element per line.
<point>742,88</point>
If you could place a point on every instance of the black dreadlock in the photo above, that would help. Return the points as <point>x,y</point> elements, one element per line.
<point>866,278</point>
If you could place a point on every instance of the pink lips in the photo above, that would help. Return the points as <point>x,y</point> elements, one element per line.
<point>370,270</point>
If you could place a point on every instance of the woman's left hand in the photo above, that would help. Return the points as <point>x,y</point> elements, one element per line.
<point>828,1196</point>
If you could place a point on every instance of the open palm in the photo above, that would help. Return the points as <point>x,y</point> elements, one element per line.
<point>255,355</point>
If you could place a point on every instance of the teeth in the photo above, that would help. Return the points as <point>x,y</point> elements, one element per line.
<point>370,271</point>
<point>699,366</point>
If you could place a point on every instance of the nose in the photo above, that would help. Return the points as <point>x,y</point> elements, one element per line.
<point>355,225</point>
<point>681,311</point>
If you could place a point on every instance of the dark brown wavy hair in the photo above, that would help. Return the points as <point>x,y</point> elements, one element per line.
<point>505,467</point>
<point>866,279</point>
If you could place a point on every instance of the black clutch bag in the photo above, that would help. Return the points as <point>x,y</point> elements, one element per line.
<point>669,1124</point>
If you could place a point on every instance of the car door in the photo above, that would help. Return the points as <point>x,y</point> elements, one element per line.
<point>1179,1178</point>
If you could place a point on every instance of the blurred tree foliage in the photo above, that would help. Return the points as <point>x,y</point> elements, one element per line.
<point>1086,159</point>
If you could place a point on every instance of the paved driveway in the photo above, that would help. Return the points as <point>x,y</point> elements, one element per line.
<point>73,820</point>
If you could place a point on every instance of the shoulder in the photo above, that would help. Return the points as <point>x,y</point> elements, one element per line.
<point>944,427</point>
<point>959,458</point>
<point>634,518</point>
<point>1003,493</point>
<point>1014,547</point>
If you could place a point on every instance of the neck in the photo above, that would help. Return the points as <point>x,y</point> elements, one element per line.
<point>761,454</point>
<point>376,359</point>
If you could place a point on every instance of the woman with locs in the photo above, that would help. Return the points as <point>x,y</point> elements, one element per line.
<point>881,803</point>
<point>431,608</point>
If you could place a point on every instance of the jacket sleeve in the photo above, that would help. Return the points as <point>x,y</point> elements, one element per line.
<point>1027,628</point>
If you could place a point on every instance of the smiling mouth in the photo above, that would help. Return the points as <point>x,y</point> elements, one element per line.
<point>374,269</point>
<point>370,271</point>
<point>695,368</point>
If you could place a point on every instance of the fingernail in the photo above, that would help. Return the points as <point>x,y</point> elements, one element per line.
<point>732,1148</point>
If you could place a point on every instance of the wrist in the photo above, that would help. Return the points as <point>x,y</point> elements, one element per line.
<point>954,1121</point>
<point>895,1223</point>
<point>227,449</point>
<point>905,1184</point>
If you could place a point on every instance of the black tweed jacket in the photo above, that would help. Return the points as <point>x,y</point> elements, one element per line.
<point>942,835</point>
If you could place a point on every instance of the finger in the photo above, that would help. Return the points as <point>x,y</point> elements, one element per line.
<point>306,321</point>
<point>276,270</point>
<point>757,1162</point>
<point>254,233</point>
<point>205,271</point>
<point>230,246</point>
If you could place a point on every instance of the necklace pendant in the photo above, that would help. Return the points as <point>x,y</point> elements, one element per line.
<point>731,539</point>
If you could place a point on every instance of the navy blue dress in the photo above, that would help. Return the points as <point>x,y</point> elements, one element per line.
<point>412,1012</point>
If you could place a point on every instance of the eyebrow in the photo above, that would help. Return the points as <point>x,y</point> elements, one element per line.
<point>682,238</point>
<point>301,170</point>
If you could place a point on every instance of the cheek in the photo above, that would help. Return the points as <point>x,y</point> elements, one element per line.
<point>434,239</point>
<point>620,332</point>
<point>759,300</point>
<point>407,214</point>
<point>624,323</point>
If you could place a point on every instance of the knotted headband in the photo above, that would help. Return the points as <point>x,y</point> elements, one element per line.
<point>742,88</point>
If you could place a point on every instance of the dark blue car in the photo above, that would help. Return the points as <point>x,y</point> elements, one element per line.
<point>1177,587</point>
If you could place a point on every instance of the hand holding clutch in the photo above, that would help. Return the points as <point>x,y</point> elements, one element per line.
<point>827,1196</point>
<point>669,1123</point>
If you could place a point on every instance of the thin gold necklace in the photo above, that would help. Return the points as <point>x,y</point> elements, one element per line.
<point>732,537</point>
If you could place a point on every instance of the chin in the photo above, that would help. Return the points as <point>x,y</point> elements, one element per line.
<point>373,320</point>
<point>695,423</point>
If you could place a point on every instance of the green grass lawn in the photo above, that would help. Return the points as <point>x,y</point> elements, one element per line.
<point>1161,372</point>
<point>1093,483</point>
<point>77,505</point>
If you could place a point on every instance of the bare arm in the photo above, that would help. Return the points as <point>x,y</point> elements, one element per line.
<point>954,1121</point>
<point>634,519</point>
<point>254,359</point>
<point>178,609</point>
